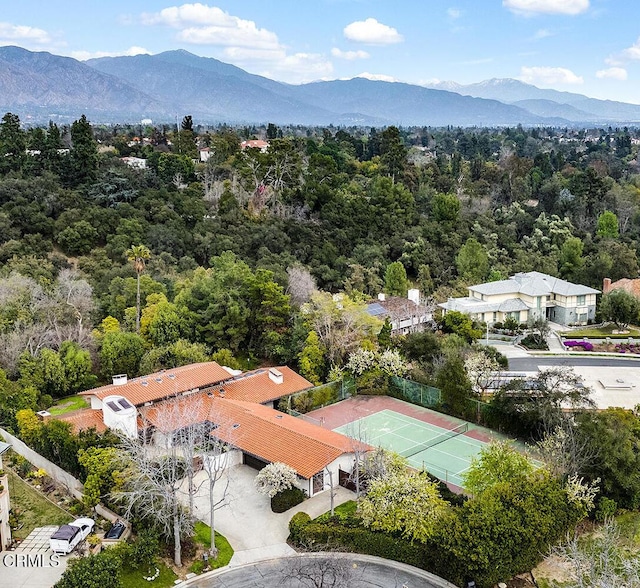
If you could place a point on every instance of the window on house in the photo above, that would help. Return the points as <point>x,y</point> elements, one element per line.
<point>581,300</point>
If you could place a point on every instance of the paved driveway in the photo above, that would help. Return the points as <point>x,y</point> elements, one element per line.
<point>246,519</point>
<point>32,564</point>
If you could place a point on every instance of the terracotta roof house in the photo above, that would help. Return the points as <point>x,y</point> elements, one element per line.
<point>235,407</point>
<point>407,315</point>
<point>255,144</point>
<point>528,295</point>
<point>629,285</point>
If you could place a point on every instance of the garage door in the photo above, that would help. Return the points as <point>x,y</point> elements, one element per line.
<point>253,462</point>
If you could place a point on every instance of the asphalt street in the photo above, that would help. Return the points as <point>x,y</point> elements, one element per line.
<point>352,570</point>
<point>531,363</point>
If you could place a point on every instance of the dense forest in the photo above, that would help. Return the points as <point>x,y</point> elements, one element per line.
<point>108,267</point>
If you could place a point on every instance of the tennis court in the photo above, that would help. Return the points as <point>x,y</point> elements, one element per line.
<point>445,453</point>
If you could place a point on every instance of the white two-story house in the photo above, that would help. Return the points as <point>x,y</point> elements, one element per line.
<point>528,296</point>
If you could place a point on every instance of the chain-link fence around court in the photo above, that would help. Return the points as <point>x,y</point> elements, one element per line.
<point>414,392</point>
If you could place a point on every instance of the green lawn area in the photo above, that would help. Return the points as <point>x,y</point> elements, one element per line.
<point>346,509</point>
<point>134,578</point>
<point>35,509</point>
<point>203,537</point>
<point>597,332</point>
<point>68,404</point>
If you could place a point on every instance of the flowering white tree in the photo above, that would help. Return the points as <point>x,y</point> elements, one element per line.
<point>275,478</point>
<point>360,361</point>
<point>392,363</point>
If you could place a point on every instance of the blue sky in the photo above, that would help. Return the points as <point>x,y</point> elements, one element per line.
<point>587,46</point>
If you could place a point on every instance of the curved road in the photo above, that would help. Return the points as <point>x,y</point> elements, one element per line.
<point>349,569</point>
<point>531,363</point>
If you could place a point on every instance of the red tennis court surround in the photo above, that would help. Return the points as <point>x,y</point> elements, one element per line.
<point>352,409</point>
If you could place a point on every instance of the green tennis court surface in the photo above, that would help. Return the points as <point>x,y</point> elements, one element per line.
<point>448,458</point>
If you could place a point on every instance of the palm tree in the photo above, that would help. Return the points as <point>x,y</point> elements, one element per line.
<point>138,255</point>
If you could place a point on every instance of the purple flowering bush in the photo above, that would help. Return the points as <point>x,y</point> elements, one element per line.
<point>586,346</point>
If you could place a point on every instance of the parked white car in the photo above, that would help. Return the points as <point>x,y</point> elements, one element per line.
<point>67,537</point>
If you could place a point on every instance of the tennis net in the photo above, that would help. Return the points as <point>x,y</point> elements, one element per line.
<point>459,430</point>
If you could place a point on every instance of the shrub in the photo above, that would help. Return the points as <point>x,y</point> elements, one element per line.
<point>534,342</point>
<point>586,346</point>
<point>606,509</point>
<point>143,551</point>
<point>287,499</point>
<point>274,478</point>
<point>297,523</point>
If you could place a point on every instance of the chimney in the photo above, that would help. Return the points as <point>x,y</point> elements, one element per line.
<point>413,294</point>
<point>382,297</point>
<point>276,376</point>
<point>119,380</point>
<point>606,285</point>
<point>43,415</point>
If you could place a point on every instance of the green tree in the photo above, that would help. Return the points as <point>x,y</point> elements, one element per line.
<point>101,472</point>
<point>12,144</point>
<point>607,226</point>
<point>395,279</point>
<point>78,238</point>
<point>83,158</point>
<point>312,359</point>
<point>571,260</point>
<point>461,324</point>
<point>613,435</point>
<point>121,353</point>
<point>445,208</point>
<point>406,503</point>
<point>497,462</point>
<point>180,352</point>
<point>507,529</point>
<point>93,571</point>
<point>454,385</point>
<point>384,336</point>
<point>472,261</point>
<point>621,307</point>
<point>138,255</point>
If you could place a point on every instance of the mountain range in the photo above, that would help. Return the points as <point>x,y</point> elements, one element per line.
<point>40,86</point>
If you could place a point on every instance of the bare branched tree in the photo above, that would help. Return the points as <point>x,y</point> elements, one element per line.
<point>600,562</point>
<point>564,450</point>
<point>300,285</point>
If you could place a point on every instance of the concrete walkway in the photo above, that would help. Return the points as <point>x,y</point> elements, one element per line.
<point>246,520</point>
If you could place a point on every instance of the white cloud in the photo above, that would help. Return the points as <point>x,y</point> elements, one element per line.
<point>612,73</point>
<point>244,43</point>
<point>277,64</point>
<point>84,55</point>
<point>549,76</point>
<point>454,13</point>
<point>349,55</point>
<point>10,33</point>
<point>208,25</point>
<point>377,77</point>
<point>632,52</point>
<point>530,7</point>
<point>372,32</point>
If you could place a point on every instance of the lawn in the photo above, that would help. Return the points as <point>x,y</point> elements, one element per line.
<point>134,578</point>
<point>601,332</point>
<point>203,537</point>
<point>35,510</point>
<point>346,509</point>
<point>68,404</point>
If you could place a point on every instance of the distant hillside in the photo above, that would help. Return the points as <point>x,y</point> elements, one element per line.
<point>174,83</point>
<point>45,82</point>
<point>516,92</point>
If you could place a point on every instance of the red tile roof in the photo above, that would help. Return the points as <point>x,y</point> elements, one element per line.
<point>164,383</point>
<point>257,386</point>
<point>256,429</point>
<point>631,286</point>
<point>83,419</point>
